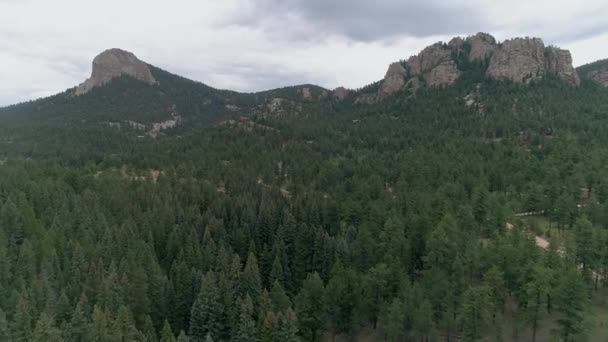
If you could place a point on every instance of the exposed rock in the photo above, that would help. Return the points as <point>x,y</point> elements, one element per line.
<point>428,59</point>
<point>456,44</point>
<point>393,80</point>
<point>519,60</point>
<point>153,129</point>
<point>275,105</point>
<point>600,76</point>
<point>434,65</point>
<point>559,62</point>
<point>114,63</point>
<point>232,107</point>
<point>306,94</point>
<point>473,100</point>
<point>340,93</point>
<point>443,74</point>
<point>482,46</point>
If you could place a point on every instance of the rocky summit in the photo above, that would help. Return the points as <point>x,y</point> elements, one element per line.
<point>519,60</point>
<point>113,63</point>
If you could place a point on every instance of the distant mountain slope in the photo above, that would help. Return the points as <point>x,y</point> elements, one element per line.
<point>596,71</point>
<point>124,91</point>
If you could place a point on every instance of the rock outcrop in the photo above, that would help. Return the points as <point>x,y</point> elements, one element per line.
<point>340,93</point>
<point>482,46</point>
<point>434,65</point>
<point>600,76</point>
<point>445,73</point>
<point>525,59</point>
<point>393,80</point>
<point>114,63</point>
<point>519,60</point>
<point>559,62</point>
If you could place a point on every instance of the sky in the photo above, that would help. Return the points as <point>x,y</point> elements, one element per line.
<point>252,45</point>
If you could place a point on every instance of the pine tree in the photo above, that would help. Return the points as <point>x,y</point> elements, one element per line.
<point>4,330</point>
<point>166,334</point>
<point>148,330</point>
<point>287,330</point>
<point>571,304</point>
<point>251,283</point>
<point>99,329</point>
<point>393,318</point>
<point>45,330</point>
<point>208,315</point>
<point>310,307</point>
<point>22,319</point>
<point>183,337</point>
<point>474,314</point>
<point>280,300</point>
<point>123,326</point>
<point>77,327</point>
<point>536,290</point>
<point>342,300</point>
<point>246,330</point>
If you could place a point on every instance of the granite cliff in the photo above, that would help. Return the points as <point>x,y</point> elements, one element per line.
<point>113,63</point>
<point>518,60</point>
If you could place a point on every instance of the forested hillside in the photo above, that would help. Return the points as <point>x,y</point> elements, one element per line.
<point>328,220</point>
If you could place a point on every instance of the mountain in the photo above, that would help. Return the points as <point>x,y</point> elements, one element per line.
<point>519,60</point>
<point>125,90</point>
<point>596,71</point>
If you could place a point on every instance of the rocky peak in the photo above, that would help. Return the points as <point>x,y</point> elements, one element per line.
<point>519,60</point>
<point>559,62</point>
<point>114,63</point>
<point>393,80</point>
<point>434,65</point>
<point>482,46</point>
<point>524,59</point>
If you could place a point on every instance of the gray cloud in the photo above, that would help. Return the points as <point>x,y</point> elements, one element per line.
<point>361,20</point>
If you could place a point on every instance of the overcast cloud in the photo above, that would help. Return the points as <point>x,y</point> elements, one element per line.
<point>252,45</point>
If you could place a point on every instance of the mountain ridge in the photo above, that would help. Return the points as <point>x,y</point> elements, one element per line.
<point>123,89</point>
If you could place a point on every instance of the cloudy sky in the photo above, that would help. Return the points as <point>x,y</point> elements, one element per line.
<point>250,45</point>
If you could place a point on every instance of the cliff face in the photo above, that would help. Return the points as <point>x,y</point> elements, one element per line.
<point>434,65</point>
<point>559,62</point>
<point>483,46</point>
<point>114,63</point>
<point>519,60</point>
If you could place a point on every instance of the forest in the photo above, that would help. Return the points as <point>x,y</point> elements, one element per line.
<point>399,221</point>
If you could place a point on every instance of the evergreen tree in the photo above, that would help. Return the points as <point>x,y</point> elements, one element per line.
<point>279,298</point>
<point>166,334</point>
<point>45,330</point>
<point>246,330</point>
<point>474,314</point>
<point>571,305</point>
<point>341,301</point>
<point>208,315</point>
<point>310,307</point>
